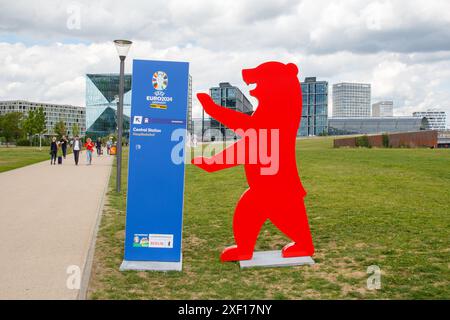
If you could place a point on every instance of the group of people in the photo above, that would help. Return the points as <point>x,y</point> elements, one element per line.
<point>58,149</point>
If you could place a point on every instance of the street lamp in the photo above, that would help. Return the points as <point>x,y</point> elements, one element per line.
<point>122,47</point>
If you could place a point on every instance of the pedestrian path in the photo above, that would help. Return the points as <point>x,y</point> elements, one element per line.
<point>48,217</point>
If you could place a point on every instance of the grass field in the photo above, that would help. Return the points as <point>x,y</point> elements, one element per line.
<point>384,207</point>
<point>17,157</point>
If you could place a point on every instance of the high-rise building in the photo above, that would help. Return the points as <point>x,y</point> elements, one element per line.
<point>230,97</point>
<point>383,109</point>
<point>437,119</point>
<point>70,115</point>
<point>314,120</point>
<point>351,100</point>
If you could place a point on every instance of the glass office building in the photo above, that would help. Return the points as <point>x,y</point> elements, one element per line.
<point>102,97</point>
<point>197,126</point>
<point>314,120</point>
<point>372,125</point>
<point>351,100</point>
<point>230,97</point>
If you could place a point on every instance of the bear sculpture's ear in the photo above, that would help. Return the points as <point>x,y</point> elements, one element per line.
<point>292,68</point>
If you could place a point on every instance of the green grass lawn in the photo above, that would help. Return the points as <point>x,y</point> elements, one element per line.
<point>384,207</point>
<point>17,157</point>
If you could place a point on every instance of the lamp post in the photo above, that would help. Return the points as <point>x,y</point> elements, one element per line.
<point>122,47</point>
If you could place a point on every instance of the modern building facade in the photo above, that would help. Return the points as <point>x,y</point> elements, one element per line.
<point>372,125</point>
<point>102,98</point>
<point>197,127</point>
<point>444,139</point>
<point>314,120</point>
<point>70,115</point>
<point>351,100</point>
<point>383,109</point>
<point>437,119</point>
<point>230,97</point>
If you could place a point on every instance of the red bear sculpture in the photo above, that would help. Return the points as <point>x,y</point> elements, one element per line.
<point>274,194</point>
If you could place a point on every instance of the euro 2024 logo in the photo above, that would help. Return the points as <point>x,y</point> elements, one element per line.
<point>160,80</point>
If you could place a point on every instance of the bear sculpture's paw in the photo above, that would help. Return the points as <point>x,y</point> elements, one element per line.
<point>233,253</point>
<point>293,250</point>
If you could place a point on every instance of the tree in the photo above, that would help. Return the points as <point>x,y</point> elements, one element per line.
<point>75,130</point>
<point>28,124</point>
<point>10,126</point>
<point>39,124</point>
<point>1,125</point>
<point>60,129</point>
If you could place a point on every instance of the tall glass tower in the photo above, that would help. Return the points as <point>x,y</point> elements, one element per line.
<point>230,97</point>
<point>315,108</point>
<point>102,97</point>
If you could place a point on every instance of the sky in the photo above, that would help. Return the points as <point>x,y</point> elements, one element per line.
<point>400,47</point>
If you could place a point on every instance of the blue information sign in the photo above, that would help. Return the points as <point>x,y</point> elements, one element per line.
<point>156,174</point>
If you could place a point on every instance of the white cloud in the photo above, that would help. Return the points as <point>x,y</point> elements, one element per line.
<point>401,47</point>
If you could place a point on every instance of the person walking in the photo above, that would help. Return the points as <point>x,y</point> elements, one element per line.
<point>64,146</point>
<point>76,149</point>
<point>108,146</point>
<point>98,146</point>
<point>59,152</point>
<point>89,150</point>
<point>53,151</point>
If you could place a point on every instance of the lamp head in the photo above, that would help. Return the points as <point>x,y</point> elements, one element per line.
<point>123,46</point>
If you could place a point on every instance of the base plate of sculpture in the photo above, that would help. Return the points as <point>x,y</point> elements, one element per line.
<point>274,259</point>
<point>150,266</point>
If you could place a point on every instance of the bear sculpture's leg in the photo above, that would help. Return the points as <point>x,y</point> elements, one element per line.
<point>294,223</point>
<point>247,222</point>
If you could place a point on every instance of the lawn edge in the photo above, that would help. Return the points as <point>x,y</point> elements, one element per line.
<point>87,270</point>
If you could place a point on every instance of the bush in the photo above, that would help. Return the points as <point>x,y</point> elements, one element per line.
<point>46,143</point>
<point>23,143</point>
<point>386,140</point>
<point>363,142</point>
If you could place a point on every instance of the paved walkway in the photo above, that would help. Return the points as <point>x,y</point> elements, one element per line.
<point>48,217</point>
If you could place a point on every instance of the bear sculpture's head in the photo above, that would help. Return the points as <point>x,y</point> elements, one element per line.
<point>274,81</point>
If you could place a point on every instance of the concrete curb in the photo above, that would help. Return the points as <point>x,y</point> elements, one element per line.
<point>87,269</point>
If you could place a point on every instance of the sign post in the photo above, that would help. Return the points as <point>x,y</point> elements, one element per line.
<point>153,238</point>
